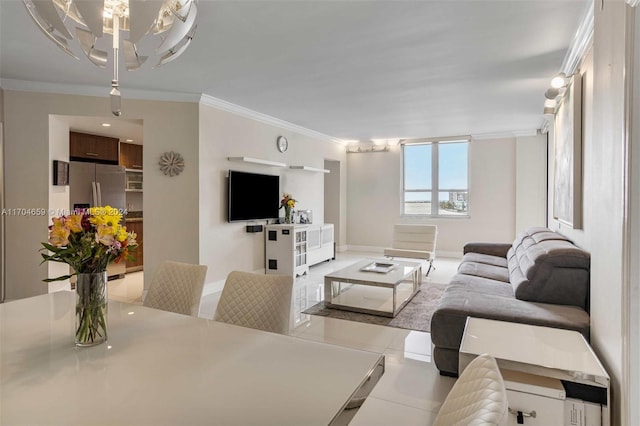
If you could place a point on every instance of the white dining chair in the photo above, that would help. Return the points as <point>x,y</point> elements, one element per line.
<point>477,398</point>
<point>177,287</point>
<point>256,301</point>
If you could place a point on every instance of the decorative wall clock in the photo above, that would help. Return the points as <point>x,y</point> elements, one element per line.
<point>171,163</point>
<point>282,143</point>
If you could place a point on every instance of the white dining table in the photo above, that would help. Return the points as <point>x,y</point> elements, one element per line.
<point>161,368</point>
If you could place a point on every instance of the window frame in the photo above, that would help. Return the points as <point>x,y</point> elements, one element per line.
<point>435,184</point>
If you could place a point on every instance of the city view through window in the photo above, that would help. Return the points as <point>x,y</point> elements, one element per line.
<point>436,173</point>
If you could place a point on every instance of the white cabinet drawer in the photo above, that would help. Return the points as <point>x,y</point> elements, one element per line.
<point>549,411</point>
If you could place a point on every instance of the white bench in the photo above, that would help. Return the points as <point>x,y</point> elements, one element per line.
<point>414,241</point>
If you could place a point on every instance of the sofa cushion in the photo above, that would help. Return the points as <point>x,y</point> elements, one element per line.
<point>456,304</point>
<point>480,285</point>
<point>483,270</point>
<point>485,258</point>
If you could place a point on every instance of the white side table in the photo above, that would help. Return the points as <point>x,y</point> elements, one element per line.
<point>542,351</point>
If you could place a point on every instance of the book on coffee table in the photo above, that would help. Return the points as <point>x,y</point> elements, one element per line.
<point>379,267</point>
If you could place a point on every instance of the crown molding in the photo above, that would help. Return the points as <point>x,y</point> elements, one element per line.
<point>505,134</point>
<point>98,91</point>
<point>103,91</point>
<point>264,118</point>
<point>580,44</point>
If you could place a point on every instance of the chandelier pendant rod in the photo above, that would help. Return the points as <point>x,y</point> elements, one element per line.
<point>116,101</point>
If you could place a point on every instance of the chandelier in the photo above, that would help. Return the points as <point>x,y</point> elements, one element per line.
<point>172,21</point>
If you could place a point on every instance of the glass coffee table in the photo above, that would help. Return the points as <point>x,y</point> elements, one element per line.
<point>373,286</point>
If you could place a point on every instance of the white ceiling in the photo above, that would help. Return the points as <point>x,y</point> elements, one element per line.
<point>348,69</point>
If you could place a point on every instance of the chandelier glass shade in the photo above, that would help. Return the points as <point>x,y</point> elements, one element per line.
<point>171,22</point>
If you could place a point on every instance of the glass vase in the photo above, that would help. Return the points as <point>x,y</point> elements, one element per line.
<point>287,214</point>
<point>91,309</point>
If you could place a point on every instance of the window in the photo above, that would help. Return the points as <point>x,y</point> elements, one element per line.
<point>436,174</point>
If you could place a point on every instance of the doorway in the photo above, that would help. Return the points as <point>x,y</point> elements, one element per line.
<point>333,200</point>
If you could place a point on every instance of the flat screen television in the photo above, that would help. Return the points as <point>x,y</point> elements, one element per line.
<point>253,196</point>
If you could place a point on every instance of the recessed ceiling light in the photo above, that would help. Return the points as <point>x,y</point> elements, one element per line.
<point>106,125</point>
<point>129,140</point>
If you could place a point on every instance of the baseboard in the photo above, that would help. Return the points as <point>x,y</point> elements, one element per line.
<point>451,254</point>
<point>380,250</point>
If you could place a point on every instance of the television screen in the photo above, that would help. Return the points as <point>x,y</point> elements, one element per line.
<point>253,196</point>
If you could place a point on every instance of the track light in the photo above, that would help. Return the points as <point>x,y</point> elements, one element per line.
<point>368,148</point>
<point>559,81</point>
<point>558,85</point>
<point>551,93</point>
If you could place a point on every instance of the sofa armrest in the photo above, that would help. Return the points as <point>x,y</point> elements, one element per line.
<point>492,249</point>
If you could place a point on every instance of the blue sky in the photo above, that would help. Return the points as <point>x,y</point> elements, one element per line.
<point>452,170</point>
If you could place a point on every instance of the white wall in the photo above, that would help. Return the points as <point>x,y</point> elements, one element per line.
<point>603,189</point>
<point>58,194</point>
<point>374,203</point>
<point>224,246</point>
<point>171,204</point>
<point>531,182</point>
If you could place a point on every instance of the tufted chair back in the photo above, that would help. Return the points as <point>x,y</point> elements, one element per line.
<point>477,398</point>
<point>177,287</point>
<point>256,301</point>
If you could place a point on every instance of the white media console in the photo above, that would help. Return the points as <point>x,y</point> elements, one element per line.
<point>291,249</point>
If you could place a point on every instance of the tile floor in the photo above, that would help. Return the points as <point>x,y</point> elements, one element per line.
<point>411,390</point>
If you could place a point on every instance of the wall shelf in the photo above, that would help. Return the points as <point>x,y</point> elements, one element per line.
<point>257,161</point>
<point>310,169</point>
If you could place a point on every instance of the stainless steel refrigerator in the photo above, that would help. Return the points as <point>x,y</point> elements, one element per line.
<point>92,185</point>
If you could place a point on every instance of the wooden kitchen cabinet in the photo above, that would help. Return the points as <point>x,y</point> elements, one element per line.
<point>131,156</point>
<point>99,149</point>
<point>136,264</point>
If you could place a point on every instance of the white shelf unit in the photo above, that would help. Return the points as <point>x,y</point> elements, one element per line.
<point>310,169</point>
<point>320,239</point>
<point>286,249</point>
<point>259,161</point>
<point>291,249</point>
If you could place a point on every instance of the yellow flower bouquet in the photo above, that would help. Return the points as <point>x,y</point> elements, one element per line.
<point>88,241</point>
<point>288,202</point>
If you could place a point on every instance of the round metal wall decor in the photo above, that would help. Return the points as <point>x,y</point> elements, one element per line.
<point>171,163</point>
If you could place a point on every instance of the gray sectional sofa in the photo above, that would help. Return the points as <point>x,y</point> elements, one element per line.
<point>542,278</point>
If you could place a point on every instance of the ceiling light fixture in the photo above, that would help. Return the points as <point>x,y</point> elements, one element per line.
<point>173,21</point>
<point>549,107</point>
<point>551,93</point>
<point>390,142</point>
<point>559,81</point>
<point>352,149</point>
<point>106,125</point>
<point>558,88</point>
